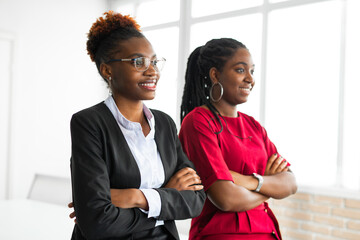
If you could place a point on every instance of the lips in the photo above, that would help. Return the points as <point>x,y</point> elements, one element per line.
<point>149,85</point>
<point>246,88</point>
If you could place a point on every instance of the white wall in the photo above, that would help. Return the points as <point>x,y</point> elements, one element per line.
<point>53,77</point>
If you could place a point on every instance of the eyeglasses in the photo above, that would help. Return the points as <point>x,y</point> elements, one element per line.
<point>142,63</point>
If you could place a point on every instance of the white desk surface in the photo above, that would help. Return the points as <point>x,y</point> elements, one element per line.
<point>34,220</point>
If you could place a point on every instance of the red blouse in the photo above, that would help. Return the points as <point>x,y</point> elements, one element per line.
<point>243,147</point>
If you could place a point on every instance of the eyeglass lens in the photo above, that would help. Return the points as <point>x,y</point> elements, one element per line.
<point>143,63</point>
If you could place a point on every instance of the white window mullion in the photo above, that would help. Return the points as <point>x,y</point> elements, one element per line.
<point>265,13</point>
<point>339,173</point>
<point>184,48</point>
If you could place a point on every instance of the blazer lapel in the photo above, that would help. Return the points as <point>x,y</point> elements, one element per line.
<point>124,161</point>
<point>163,146</point>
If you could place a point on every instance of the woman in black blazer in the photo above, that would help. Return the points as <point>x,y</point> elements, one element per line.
<point>130,177</point>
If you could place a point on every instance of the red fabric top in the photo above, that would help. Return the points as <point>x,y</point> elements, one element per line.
<point>242,146</point>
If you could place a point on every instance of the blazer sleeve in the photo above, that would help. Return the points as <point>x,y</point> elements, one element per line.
<point>96,216</point>
<point>177,205</point>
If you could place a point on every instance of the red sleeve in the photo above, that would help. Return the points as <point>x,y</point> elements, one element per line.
<point>200,143</point>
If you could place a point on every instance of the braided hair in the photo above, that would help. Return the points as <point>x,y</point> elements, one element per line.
<point>215,53</point>
<point>106,33</point>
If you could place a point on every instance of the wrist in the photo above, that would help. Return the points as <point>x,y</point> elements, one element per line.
<point>260,181</point>
<point>140,200</point>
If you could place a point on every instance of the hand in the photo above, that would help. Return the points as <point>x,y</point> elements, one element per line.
<point>72,215</point>
<point>276,164</point>
<point>128,198</point>
<point>185,179</point>
<point>248,182</point>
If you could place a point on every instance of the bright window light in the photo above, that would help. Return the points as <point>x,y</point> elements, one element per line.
<point>207,7</point>
<point>155,12</point>
<point>165,42</point>
<point>303,89</point>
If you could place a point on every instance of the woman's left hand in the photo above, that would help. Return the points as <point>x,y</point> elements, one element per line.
<point>72,215</point>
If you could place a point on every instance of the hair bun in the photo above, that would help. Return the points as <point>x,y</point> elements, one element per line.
<point>104,26</point>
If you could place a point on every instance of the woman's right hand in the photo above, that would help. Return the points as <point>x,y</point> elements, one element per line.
<point>185,179</point>
<point>276,164</point>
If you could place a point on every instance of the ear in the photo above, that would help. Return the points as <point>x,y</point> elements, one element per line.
<point>105,71</point>
<point>213,73</point>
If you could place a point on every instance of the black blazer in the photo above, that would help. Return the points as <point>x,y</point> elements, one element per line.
<point>101,159</point>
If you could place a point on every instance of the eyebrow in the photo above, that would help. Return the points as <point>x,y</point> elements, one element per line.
<point>136,55</point>
<point>243,63</point>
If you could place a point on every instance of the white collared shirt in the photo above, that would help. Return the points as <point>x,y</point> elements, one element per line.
<point>146,155</point>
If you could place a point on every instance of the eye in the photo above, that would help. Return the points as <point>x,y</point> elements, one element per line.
<point>240,70</point>
<point>139,61</point>
<point>252,71</point>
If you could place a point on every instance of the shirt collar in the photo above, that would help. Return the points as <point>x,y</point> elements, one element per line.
<point>110,103</point>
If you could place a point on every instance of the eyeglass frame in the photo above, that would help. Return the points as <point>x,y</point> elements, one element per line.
<point>134,60</point>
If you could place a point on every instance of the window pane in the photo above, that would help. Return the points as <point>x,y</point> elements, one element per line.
<point>165,43</point>
<point>124,9</point>
<point>249,34</point>
<point>157,12</point>
<point>207,7</point>
<point>351,157</point>
<point>303,89</point>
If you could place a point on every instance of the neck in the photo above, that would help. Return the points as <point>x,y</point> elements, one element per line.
<point>225,109</point>
<point>131,110</point>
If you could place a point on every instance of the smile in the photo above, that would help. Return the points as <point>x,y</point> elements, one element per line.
<point>242,88</point>
<point>149,85</point>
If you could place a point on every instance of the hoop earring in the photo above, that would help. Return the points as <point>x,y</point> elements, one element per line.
<point>221,92</point>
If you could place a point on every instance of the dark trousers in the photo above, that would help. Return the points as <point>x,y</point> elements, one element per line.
<point>158,233</point>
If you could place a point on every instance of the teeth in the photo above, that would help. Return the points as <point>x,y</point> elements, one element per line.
<point>148,84</point>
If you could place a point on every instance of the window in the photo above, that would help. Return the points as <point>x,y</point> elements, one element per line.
<point>302,94</point>
<point>306,57</point>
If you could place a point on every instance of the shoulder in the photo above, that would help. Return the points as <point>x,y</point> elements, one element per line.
<point>161,116</point>
<point>93,110</point>
<point>93,114</point>
<point>251,121</point>
<point>199,114</point>
<point>201,119</point>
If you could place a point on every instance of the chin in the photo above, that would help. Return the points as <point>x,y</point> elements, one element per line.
<point>149,97</point>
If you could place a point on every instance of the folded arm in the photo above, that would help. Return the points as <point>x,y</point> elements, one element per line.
<point>97,216</point>
<point>279,181</point>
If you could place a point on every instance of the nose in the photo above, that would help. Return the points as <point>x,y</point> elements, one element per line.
<point>250,78</point>
<point>151,71</point>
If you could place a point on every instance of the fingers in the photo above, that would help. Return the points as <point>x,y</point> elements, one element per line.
<point>184,171</point>
<point>71,205</point>
<point>282,166</point>
<point>185,179</point>
<point>271,161</point>
<point>72,215</point>
<point>193,179</point>
<point>195,187</point>
<point>276,164</point>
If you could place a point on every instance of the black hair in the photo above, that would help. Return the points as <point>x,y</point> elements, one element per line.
<point>106,33</point>
<point>215,53</point>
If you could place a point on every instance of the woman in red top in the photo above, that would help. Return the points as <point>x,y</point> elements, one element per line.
<point>239,166</point>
